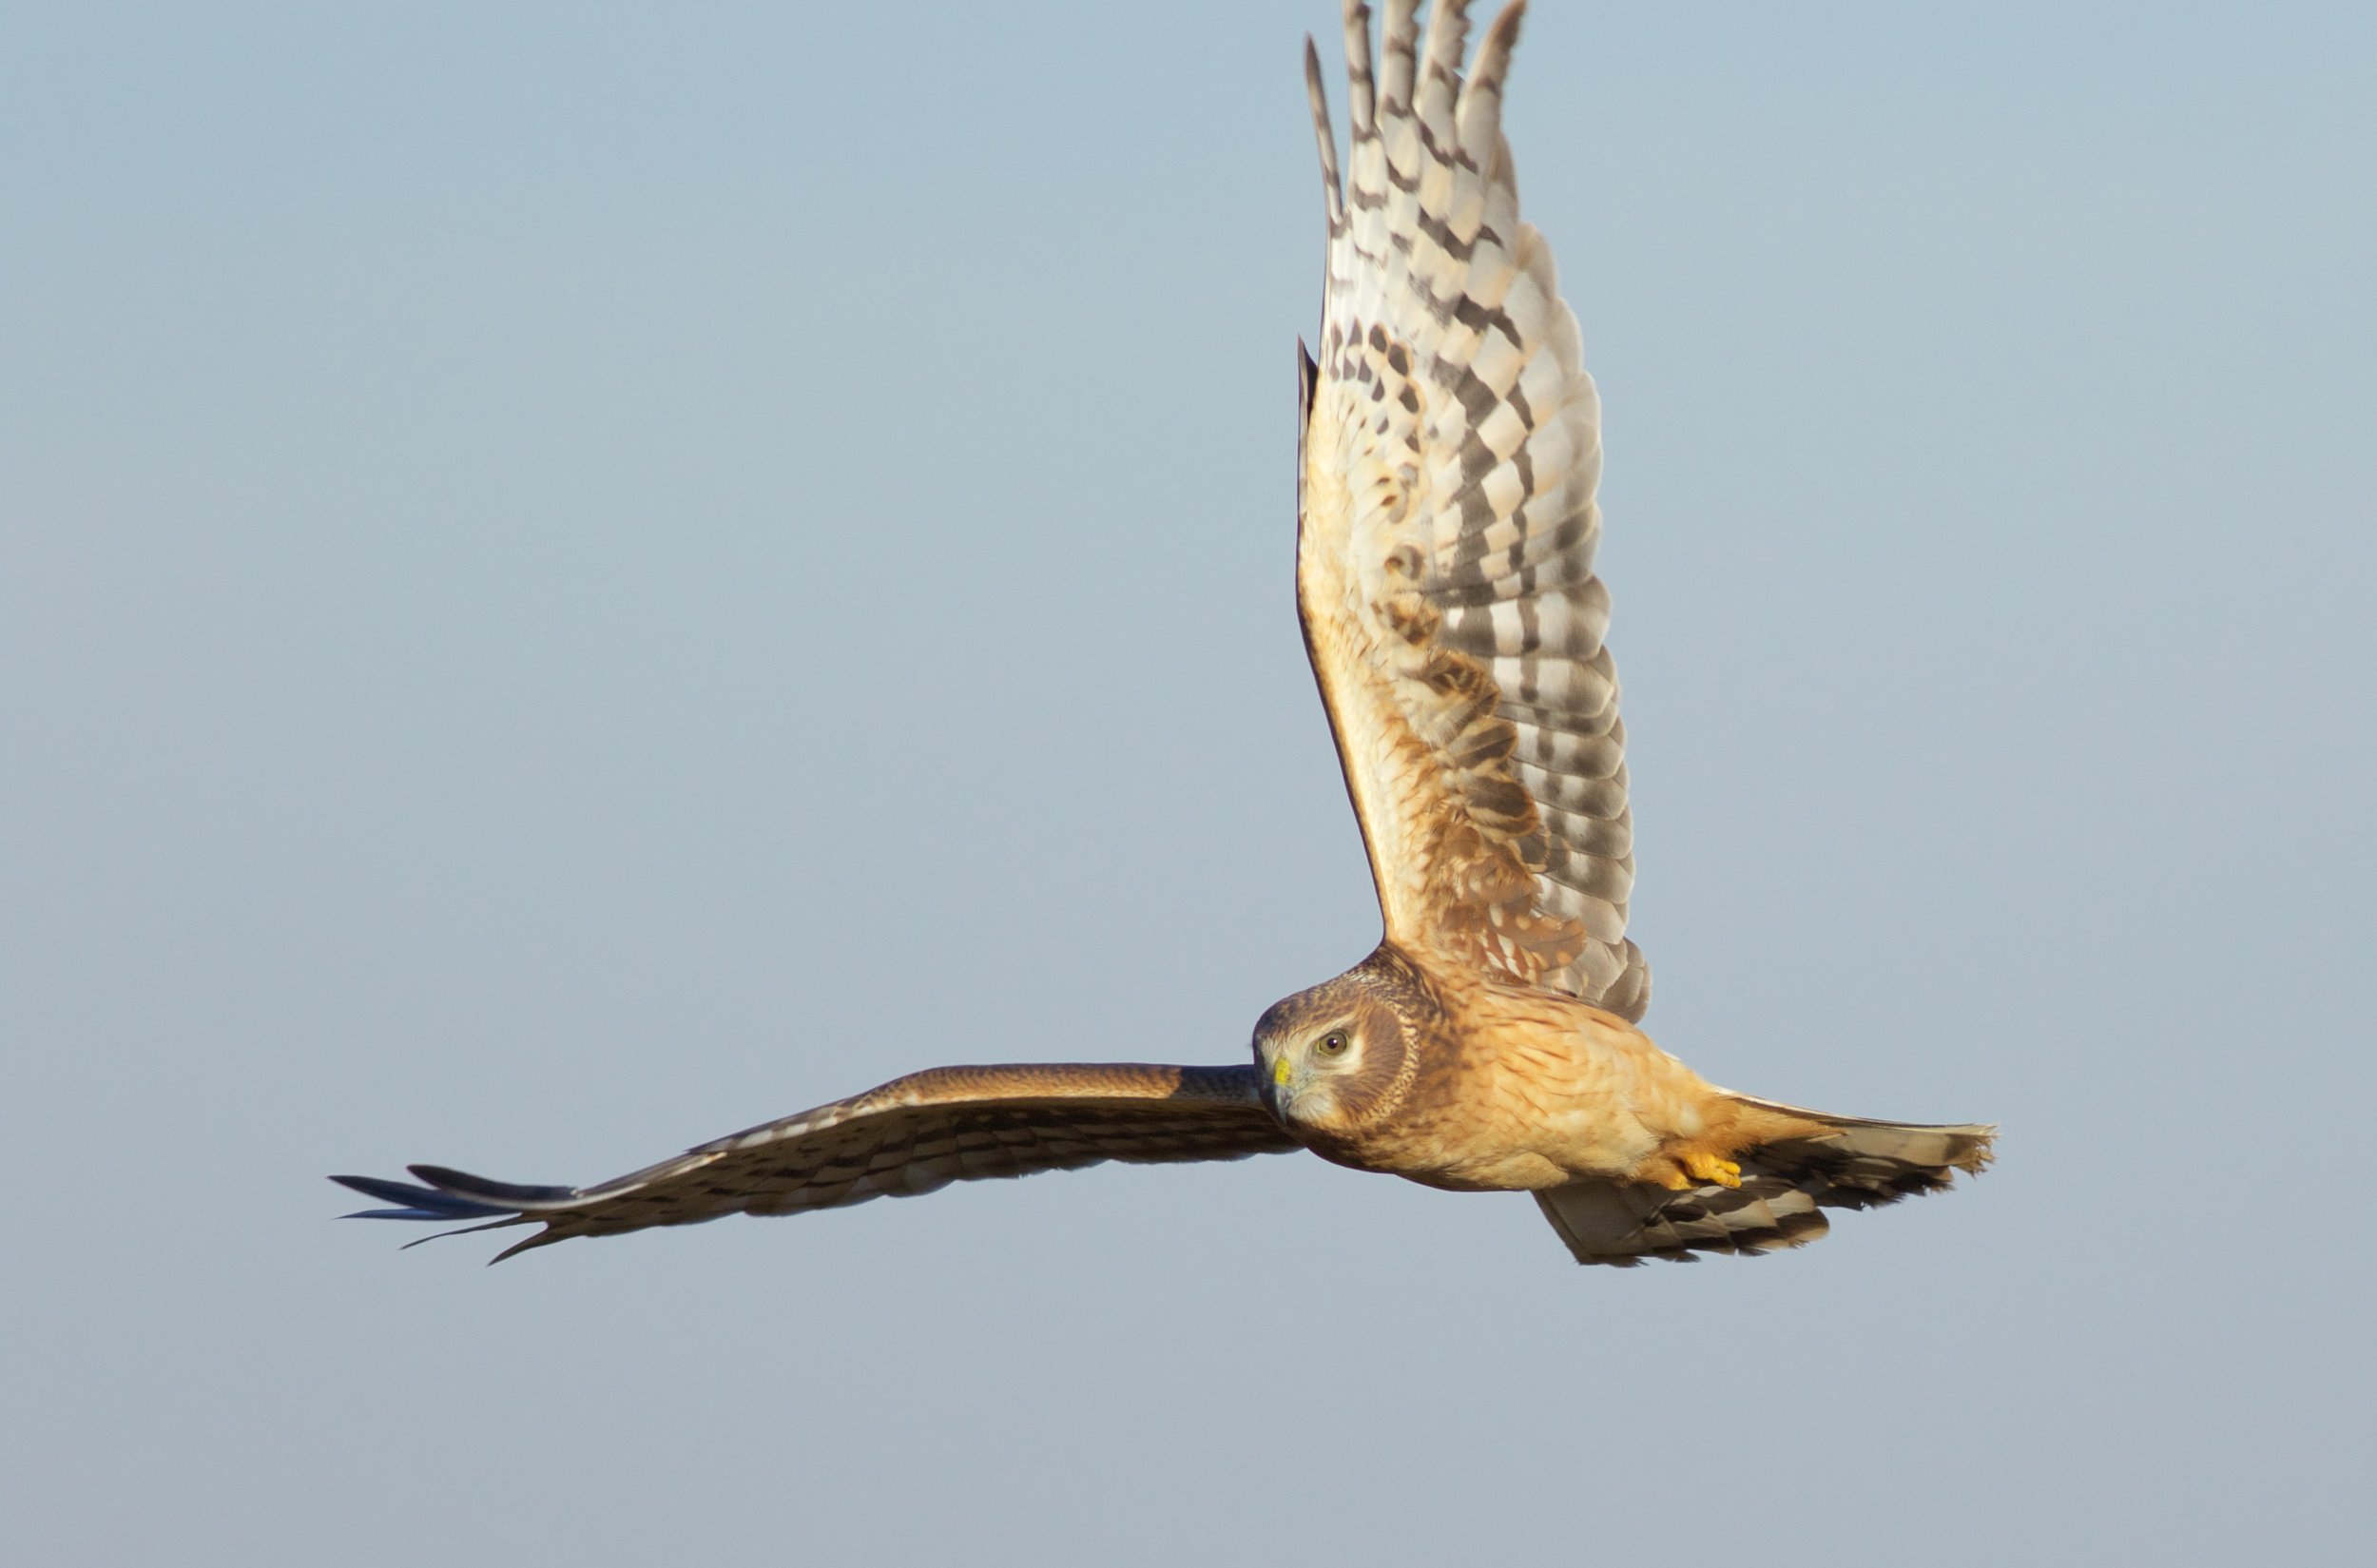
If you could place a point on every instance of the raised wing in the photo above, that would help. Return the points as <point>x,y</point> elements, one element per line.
<point>911,1135</point>
<point>1445,565</point>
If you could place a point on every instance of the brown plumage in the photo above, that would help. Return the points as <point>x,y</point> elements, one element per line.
<point>1447,522</point>
<point>1471,1083</point>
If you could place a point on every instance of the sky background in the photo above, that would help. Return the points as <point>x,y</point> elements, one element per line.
<point>574,577</point>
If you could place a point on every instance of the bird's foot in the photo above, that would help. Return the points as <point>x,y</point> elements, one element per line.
<point>1708,1168</point>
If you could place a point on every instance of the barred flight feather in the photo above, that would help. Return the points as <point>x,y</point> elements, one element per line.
<point>1451,453</point>
<point>911,1135</point>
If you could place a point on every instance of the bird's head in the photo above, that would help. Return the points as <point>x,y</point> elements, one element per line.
<point>1341,1055</point>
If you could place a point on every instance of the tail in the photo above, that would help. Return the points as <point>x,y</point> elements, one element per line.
<point>1840,1162</point>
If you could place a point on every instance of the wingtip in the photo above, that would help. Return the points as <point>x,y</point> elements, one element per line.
<point>415,1203</point>
<point>1488,71</point>
<point>543,1238</point>
<point>463,1186</point>
<point>466,1230</point>
<point>1503,33</point>
<point>1325,134</point>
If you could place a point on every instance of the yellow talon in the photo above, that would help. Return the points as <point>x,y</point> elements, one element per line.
<point>1708,1168</point>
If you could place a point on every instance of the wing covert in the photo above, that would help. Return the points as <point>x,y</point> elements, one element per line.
<point>1451,451</point>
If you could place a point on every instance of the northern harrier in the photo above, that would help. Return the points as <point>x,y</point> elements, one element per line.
<point>1446,526</point>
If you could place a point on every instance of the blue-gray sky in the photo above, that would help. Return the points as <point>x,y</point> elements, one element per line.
<point>577,576</point>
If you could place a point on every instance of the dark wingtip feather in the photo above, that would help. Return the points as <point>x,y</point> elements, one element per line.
<point>467,1230</point>
<point>415,1203</point>
<point>543,1238</point>
<point>460,1185</point>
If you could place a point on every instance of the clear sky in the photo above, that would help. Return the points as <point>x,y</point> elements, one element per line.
<point>577,576</point>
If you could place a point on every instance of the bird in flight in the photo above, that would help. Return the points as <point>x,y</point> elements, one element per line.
<point>1446,524</point>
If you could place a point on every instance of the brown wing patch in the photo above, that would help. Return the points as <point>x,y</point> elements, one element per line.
<point>1456,838</point>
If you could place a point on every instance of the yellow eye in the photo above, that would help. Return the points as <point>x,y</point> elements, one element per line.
<point>1331,1044</point>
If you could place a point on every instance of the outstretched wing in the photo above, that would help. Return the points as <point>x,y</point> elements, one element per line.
<point>1445,565</point>
<point>911,1135</point>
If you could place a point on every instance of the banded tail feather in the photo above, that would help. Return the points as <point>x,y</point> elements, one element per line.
<point>1786,1185</point>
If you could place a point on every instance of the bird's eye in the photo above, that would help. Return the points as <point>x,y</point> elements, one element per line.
<point>1331,1044</point>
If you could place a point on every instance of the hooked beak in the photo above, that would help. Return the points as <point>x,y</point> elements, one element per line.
<point>1276,1085</point>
